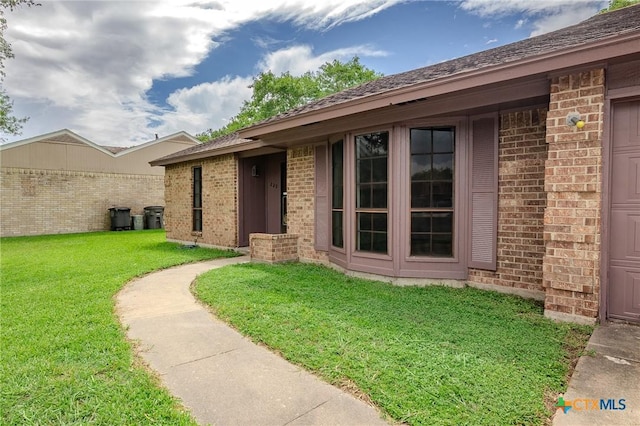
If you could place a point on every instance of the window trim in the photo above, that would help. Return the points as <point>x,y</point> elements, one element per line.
<point>453,267</point>
<point>371,210</point>
<point>195,209</point>
<point>452,209</point>
<point>333,142</point>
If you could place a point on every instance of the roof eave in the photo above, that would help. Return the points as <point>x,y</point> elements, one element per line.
<point>621,45</point>
<point>209,153</point>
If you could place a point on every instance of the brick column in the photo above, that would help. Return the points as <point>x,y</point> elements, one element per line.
<point>573,182</point>
<point>301,201</point>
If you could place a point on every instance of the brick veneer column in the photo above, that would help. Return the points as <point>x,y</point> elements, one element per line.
<point>571,264</point>
<point>300,201</point>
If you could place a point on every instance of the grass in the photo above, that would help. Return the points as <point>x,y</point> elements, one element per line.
<point>65,359</point>
<point>433,355</point>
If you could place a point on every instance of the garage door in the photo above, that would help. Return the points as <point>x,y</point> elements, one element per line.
<point>624,250</point>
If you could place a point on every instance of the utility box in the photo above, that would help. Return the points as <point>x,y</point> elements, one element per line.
<point>120,218</point>
<point>154,217</point>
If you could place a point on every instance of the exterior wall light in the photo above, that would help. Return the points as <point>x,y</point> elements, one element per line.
<point>573,119</point>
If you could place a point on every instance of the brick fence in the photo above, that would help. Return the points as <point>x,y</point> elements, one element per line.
<point>36,202</point>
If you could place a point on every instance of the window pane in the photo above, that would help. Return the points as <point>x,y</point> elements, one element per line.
<point>337,236</point>
<point>337,197</point>
<point>364,222</point>
<point>197,220</point>
<point>420,244</point>
<point>364,241</point>
<point>379,169</point>
<point>379,222</point>
<point>420,167</point>
<point>379,196</point>
<point>364,171</point>
<point>420,194</point>
<point>197,187</point>
<point>443,166</point>
<point>364,196</point>
<point>442,245</point>
<point>379,243</point>
<point>337,175</point>
<point>372,145</point>
<point>442,194</point>
<point>420,141</point>
<point>442,222</point>
<point>442,140</point>
<point>420,222</point>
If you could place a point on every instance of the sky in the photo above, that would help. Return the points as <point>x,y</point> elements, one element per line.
<point>120,72</point>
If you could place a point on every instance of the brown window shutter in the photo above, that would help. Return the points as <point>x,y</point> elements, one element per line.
<point>321,199</point>
<point>484,193</point>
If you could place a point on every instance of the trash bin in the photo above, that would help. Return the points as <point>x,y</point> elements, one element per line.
<point>154,217</point>
<point>138,221</point>
<point>120,218</point>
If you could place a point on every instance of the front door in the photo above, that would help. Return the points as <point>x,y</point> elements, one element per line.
<point>624,250</point>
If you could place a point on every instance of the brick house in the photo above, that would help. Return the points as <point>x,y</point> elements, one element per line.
<point>515,169</point>
<point>60,182</point>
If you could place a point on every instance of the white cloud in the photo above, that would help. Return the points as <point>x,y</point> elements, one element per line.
<point>545,15</point>
<point>493,40</point>
<point>299,59</point>
<point>207,105</point>
<point>88,65</point>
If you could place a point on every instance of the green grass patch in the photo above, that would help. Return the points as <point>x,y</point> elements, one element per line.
<point>431,355</point>
<point>65,358</point>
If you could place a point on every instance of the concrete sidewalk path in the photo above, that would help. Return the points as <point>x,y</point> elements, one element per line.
<point>611,371</point>
<point>220,376</point>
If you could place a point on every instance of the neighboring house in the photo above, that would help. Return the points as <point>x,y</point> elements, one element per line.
<point>470,169</point>
<point>61,183</point>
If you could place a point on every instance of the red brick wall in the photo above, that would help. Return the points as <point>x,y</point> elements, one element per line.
<point>574,198</point>
<point>301,201</point>
<point>219,201</point>
<point>521,202</point>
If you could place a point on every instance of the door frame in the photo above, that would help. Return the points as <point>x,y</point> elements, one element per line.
<point>611,97</point>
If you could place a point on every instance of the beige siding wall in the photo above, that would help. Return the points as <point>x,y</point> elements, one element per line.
<point>219,201</point>
<point>66,153</point>
<point>522,153</point>
<point>301,201</point>
<point>574,198</point>
<point>35,202</point>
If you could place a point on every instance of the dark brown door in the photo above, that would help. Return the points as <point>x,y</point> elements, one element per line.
<point>624,250</point>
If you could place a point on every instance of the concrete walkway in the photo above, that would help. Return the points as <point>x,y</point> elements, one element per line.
<point>220,376</point>
<point>611,371</point>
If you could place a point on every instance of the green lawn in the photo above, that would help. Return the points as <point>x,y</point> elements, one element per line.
<point>433,355</point>
<point>64,357</point>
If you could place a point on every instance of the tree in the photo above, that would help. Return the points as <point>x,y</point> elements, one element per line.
<point>619,4</point>
<point>9,124</point>
<point>273,94</point>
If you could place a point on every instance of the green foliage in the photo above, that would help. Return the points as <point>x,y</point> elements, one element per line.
<point>433,356</point>
<point>273,94</point>
<point>65,358</point>
<point>9,124</point>
<point>619,4</point>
